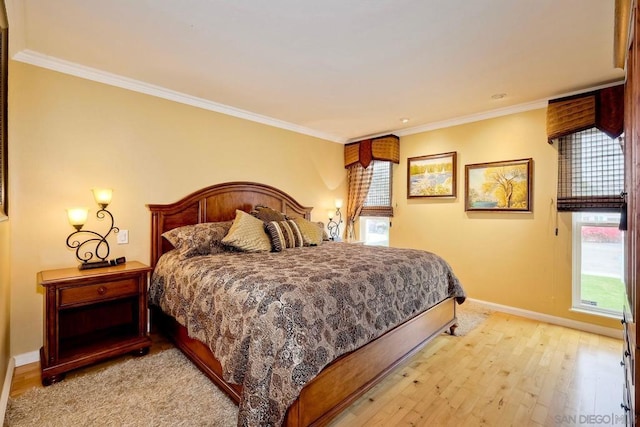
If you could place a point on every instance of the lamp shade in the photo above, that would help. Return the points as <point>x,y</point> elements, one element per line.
<point>77,216</point>
<point>330,214</point>
<point>102,196</point>
<point>338,203</point>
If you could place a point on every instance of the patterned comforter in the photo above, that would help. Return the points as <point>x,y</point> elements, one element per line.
<point>274,320</point>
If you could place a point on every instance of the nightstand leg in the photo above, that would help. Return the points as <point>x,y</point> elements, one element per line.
<point>52,379</point>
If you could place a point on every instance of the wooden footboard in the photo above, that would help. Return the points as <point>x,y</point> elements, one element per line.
<point>341,382</point>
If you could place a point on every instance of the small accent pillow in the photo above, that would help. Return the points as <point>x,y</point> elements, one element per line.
<point>284,235</point>
<point>247,234</point>
<point>198,239</point>
<point>267,214</point>
<point>311,232</point>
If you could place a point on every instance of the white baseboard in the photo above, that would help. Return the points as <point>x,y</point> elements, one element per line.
<point>26,358</point>
<point>6,388</point>
<point>573,324</point>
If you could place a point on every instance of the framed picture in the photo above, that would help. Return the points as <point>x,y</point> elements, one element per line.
<point>499,186</point>
<point>432,176</point>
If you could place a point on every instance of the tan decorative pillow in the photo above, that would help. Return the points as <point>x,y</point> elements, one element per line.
<point>267,214</point>
<point>247,234</point>
<point>311,232</point>
<point>198,239</point>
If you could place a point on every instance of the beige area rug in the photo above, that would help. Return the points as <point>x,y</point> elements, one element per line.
<point>470,314</point>
<point>161,389</point>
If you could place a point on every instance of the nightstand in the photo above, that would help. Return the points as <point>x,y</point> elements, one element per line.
<point>92,315</point>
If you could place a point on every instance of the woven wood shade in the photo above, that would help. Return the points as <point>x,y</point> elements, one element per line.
<point>378,202</point>
<point>590,172</point>
<point>364,152</point>
<point>602,109</point>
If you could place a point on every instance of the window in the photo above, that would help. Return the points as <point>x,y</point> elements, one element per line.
<point>377,210</point>
<point>378,201</point>
<point>598,263</point>
<point>374,230</point>
<point>590,184</point>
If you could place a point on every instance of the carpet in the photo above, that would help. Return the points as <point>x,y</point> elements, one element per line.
<point>160,389</point>
<point>470,315</point>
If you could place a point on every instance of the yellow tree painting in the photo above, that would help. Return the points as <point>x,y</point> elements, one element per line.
<point>502,186</point>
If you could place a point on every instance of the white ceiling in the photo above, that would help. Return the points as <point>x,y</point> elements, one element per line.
<point>338,69</point>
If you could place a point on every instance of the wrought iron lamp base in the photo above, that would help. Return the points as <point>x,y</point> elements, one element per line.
<point>94,264</point>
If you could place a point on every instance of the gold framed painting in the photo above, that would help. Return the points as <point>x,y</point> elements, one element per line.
<point>432,176</point>
<point>499,186</point>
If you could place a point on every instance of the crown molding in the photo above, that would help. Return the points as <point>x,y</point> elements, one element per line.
<point>93,74</point>
<point>474,117</point>
<point>499,112</point>
<point>460,120</point>
<point>52,63</point>
<point>15,17</point>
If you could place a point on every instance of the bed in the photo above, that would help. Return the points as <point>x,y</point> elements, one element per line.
<point>363,357</point>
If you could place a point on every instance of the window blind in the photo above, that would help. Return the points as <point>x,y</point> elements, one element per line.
<point>590,172</point>
<point>378,202</point>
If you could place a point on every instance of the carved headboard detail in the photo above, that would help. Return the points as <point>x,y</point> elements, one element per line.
<point>216,203</point>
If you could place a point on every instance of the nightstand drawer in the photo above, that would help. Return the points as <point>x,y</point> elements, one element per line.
<point>98,292</point>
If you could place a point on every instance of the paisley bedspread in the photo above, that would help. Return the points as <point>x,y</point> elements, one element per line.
<point>274,320</point>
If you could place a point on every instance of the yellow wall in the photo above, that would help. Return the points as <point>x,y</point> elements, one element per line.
<point>513,259</point>
<point>69,135</point>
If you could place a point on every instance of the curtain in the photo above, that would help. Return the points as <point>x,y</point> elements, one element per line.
<point>359,181</point>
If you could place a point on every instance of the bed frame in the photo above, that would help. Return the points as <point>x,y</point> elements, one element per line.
<point>345,379</point>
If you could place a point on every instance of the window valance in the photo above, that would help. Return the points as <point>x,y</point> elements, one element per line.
<point>364,152</point>
<point>602,109</point>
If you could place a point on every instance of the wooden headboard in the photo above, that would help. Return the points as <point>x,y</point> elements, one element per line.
<point>216,203</point>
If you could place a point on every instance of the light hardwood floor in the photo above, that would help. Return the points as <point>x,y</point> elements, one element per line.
<point>508,371</point>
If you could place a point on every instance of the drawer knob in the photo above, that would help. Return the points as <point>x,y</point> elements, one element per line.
<point>102,290</point>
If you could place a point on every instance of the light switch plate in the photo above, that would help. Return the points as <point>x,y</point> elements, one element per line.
<point>123,237</point>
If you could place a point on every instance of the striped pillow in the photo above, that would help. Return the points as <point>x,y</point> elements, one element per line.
<point>284,234</point>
